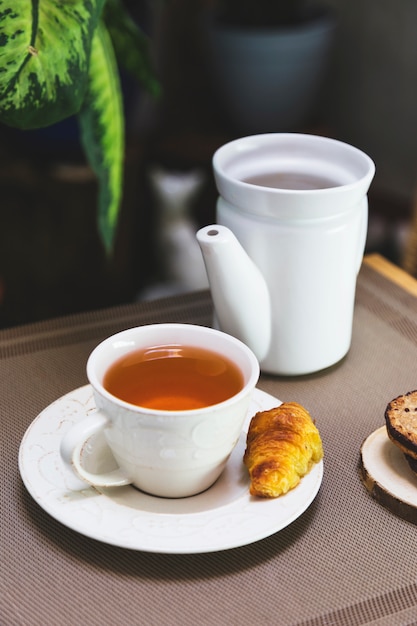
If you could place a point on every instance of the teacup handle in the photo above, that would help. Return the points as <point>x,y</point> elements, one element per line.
<point>72,445</point>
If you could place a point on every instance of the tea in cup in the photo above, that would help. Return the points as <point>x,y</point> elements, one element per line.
<point>171,400</point>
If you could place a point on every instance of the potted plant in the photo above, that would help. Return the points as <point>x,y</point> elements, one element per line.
<point>60,59</point>
<point>268,60</point>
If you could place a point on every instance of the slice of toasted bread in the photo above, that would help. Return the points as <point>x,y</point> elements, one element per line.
<point>401,423</point>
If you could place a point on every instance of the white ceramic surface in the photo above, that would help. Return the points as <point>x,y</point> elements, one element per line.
<point>165,453</point>
<point>307,244</point>
<point>223,517</point>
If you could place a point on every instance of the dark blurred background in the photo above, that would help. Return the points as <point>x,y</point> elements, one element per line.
<point>51,259</point>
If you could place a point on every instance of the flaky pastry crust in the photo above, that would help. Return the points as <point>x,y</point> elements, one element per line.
<point>281,447</point>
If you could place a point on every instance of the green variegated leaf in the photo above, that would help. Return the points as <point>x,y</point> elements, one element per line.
<point>131,45</point>
<point>44,55</point>
<point>102,130</point>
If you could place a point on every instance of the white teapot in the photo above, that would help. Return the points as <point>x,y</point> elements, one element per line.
<point>282,261</point>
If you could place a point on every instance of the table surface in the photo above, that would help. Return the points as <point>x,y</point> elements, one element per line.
<point>345,561</point>
<point>393,272</point>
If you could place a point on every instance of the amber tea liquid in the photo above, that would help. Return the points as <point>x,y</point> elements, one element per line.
<point>173,378</point>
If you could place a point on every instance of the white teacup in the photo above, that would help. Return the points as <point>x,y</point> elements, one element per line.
<point>169,453</point>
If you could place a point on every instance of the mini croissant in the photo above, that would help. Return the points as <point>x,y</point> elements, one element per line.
<point>281,447</point>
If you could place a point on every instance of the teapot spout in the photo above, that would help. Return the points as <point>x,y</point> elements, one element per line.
<point>238,289</point>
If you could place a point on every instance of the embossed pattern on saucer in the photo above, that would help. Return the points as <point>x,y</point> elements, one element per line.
<point>223,517</point>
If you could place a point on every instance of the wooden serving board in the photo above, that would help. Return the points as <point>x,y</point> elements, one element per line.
<point>387,475</point>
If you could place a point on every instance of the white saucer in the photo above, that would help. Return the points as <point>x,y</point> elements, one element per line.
<point>225,516</point>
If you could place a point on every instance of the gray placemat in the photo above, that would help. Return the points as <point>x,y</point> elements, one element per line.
<point>346,560</point>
